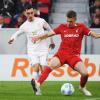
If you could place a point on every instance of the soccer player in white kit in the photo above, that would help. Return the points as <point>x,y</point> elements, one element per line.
<point>38,51</point>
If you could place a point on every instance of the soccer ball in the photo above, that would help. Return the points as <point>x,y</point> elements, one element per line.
<point>67,89</point>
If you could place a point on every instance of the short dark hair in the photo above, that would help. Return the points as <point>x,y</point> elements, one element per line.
<point>29,6</point>
<point>71,14</point>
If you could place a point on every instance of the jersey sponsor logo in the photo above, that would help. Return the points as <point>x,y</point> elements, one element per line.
<point>71,35</point>
<point>77,31</point>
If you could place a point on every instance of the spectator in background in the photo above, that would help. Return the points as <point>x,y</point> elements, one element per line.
<point>96,22</point>
<point>19,21</point>
<point>97,3</point>
<point>93,7</point>
<point>4,22</point>
<point>21,5</point>
<point>44,8</point>
<point>1,21</point>
<point>91,2</point>
<point>97,12</point>
<point>1,4</point>
<point>34,5</point>
<point>7,7</point>
<point>19,17</point>
<point>14,9</point>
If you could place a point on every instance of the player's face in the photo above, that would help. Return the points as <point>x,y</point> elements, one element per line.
<point>71,21</point>
<point>29,14</point>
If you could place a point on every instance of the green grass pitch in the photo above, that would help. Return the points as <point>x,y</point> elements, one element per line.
<point>19,90</point>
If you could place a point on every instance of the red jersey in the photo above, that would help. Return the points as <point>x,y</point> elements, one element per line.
<point>72,37</point>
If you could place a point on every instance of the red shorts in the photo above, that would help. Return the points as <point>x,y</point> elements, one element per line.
<point>66,58</point>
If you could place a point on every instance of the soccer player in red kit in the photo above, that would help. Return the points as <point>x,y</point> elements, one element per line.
<point>71,34</point>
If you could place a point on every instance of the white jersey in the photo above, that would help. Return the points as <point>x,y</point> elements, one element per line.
<point>36,27</point>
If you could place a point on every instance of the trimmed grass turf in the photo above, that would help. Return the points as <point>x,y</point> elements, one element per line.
<point>19,90</point>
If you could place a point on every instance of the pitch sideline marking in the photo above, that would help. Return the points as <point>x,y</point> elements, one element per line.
<point>93,99</point>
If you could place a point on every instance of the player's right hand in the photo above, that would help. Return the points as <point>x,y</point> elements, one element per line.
<point>11,41</point>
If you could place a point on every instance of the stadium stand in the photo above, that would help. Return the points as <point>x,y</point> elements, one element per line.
<point>62,6</point>
<point>95,13</point>
<point>14,10</point>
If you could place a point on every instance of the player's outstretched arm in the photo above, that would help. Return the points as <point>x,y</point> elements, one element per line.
<point>46,35</point>
<point>15,35</point>
<point>95,35</point>
<point>43,36</point>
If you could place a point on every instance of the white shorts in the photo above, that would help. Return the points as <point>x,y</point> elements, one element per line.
<point>38,58</point>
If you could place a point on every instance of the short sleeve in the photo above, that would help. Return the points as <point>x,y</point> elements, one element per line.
<point>57,30</point>
<point>47,26</point>
<point>86,30</point>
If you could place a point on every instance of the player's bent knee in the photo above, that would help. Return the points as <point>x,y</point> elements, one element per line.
<point>54,63</point>
<point>53,66</point>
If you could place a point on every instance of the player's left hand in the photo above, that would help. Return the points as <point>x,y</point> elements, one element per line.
<point>52,46</point>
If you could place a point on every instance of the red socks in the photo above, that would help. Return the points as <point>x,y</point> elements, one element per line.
<point>44,74</point>
<point>83,81</point>
<point>47,70</point>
